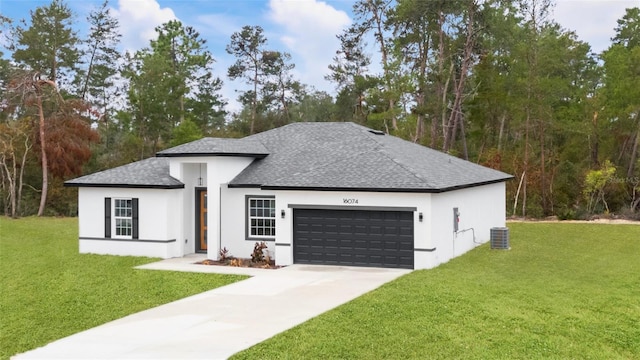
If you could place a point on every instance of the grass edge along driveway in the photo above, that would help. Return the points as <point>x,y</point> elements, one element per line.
<point>48,290</point>
<point>563,291</point>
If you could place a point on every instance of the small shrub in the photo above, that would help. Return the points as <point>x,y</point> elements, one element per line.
<point>257,256</point>
<point>224,254</point>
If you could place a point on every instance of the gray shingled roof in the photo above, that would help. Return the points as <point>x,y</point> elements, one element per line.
<point>348,156</point>
<point>148,173</point>
<point>219,147</point>
<point>314,156</point>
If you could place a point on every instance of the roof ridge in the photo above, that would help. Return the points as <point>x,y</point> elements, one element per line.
<point>378,148</point>
<point>324,165</point>
<point>388,156</point>
<point>329,163</point>
<point>410,171</point>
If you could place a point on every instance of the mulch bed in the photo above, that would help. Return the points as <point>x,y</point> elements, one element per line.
<point>239,262</point>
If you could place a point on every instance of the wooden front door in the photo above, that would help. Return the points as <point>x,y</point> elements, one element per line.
<point>201,224</point>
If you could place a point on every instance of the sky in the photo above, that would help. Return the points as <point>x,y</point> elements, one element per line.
<point>306,29</point>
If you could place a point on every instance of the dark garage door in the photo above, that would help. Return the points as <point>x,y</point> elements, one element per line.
<point>353,238</point>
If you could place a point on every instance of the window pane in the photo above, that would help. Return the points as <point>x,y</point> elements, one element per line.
<point>123,211</point>
<point>261,216</point>
<point>123,227</point>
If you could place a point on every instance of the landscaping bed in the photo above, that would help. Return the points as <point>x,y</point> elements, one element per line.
<point>259,258</point>
<point>239,262</point>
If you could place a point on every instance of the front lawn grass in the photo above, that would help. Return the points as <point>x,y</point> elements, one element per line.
<point>49,291</point>
<point>564,291</point>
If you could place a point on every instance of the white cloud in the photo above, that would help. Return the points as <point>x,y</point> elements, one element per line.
<point>138,20</point>
<point>593,20</point>
<point>309,31</point>
<point>219,24</point>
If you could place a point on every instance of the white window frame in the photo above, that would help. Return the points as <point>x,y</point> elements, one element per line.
<point>257,213</point>
<point>120,217</point>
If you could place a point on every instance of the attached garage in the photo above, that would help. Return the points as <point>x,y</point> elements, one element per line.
<point>375,238</point>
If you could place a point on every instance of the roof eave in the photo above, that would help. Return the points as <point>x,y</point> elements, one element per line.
<point>253,155</point>
<point>125,186</point>
<point>466,186</point>
<point>244,186</point>
<point>370,189</point>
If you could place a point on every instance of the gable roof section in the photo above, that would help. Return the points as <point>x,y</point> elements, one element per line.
<point>151,173</point>
<point>350,157</point>
<point>218,147</point>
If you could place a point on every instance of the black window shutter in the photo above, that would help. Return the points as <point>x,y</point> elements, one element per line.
<point>107,218</point>
<point>134,208</point>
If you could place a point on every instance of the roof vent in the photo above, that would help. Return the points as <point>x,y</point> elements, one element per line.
<point>500,238</point>
<point>376,132</point>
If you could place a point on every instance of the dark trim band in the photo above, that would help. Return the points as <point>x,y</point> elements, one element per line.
<point>205,154</point>
<point>242,186</point>
<point>129,240</point>
<point>351,207</point>
<point>282,244</point>
<point>372,189</point>
<point>425,250</point>
<point>125,186</point>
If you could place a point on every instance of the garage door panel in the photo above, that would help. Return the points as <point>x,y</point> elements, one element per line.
<point>353,237</point>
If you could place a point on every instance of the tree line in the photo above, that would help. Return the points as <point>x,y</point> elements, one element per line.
<point>495,82</point>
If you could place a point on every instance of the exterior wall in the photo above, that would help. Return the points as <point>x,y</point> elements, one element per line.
<point>214,171</point>
<point>480,208</point>
<point>234,228</point>
<point>167,217</point>
<point>158,225</point>
<point>422,202</point>
<point>189,174</point>
<point>220,170</point>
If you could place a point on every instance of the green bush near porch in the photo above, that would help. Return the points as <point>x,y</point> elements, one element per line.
<point>49,291</point>
<point>564,291</point>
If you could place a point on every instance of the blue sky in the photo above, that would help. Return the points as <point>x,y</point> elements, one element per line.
<point>304,28</point>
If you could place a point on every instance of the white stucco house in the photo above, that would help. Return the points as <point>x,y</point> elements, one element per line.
<point>316,193</point>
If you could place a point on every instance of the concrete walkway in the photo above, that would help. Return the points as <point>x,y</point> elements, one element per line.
<point>221,322</point>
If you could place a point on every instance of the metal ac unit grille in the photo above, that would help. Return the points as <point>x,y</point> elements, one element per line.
<point>500,238</point>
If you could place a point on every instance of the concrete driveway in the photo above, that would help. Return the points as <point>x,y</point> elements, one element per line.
<point>221,322</point>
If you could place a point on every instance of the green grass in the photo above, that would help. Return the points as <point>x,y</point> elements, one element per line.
<point>49,291</point>
<point>564,291</point>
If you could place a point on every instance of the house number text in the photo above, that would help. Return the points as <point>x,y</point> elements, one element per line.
<point>349,201</point>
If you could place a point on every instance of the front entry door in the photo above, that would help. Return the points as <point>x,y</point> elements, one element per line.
<point>201,223</point>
